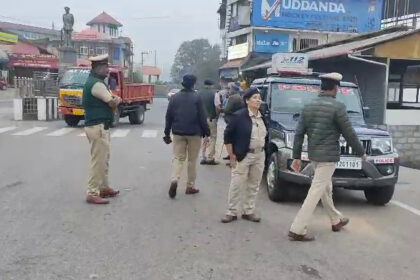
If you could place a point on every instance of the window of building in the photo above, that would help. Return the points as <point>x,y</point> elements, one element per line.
<point>91,52</point>
<point>393,92</point>
<point>304,43</point>
<point>234,7</point>
<point>103,28</point>
<point>242,39</point>
<point>99,28</point>
<point>84,50</point>
<point>101,50</point>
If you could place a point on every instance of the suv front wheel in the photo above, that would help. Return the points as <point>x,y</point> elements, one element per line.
<point>380,195</point>
<point>276,187</point>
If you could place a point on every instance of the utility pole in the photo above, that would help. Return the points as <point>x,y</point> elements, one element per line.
<point>142,56</point>
<point>155,58</point>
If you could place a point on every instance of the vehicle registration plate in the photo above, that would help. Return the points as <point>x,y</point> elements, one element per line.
<point>349,163</point>
<point>78,112</point>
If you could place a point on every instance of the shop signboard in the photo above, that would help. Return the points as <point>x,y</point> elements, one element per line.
<point>271,42</point>
<point>7,37</point>
<point>323,15</point>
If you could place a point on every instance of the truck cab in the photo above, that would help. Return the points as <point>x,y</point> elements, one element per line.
<point>135,97</point>
<point>284,97</point>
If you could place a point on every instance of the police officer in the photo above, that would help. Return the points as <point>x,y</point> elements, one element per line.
<point>323,120</point>
<point>187,120</point>
<point>207,95</point>
<point>99,105</point>
<point>245,138</point>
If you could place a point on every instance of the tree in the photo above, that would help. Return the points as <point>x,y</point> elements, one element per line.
<point>197,57</point>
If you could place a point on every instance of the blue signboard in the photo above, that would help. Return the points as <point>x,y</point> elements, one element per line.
<point>325,15</point>
<point>273,42</point>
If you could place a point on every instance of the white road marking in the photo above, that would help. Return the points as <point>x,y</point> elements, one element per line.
<point>61,132</point>
<point>30,131</point>
<point>6,129</point>
<point>83,134</point>
<point>406,207</point>
<point>149,134</point>
<point>120,133</point>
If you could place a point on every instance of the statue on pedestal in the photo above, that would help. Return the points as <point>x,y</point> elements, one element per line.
<point>68,22</point>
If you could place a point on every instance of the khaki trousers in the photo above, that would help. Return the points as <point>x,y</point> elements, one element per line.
<point>245,184</point>
<point>99,140</point>
<point>321,188</point>
<point>213,139</point>
<point>185,146</point>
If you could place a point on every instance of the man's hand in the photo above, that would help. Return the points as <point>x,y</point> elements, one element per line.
<point>233,160</point>
<point>167,139</point>
<point>296,165</point>
<point>114,102</point>
<point>364,157</point>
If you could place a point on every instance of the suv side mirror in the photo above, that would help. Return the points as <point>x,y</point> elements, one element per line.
<point>366,112</point>
<point>264,108</point>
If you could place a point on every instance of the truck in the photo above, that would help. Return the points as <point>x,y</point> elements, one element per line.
<point>135,97</point>
<point>284,96</point>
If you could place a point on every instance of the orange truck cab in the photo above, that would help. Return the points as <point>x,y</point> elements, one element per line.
<point>135,97</point>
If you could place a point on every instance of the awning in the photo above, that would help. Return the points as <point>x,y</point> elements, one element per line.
<point>151,71</point>
<point>3,56</point>
<point>233,64</point>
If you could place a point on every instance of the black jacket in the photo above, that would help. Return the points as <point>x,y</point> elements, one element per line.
<point>185,115</point>
<point>238,133</point>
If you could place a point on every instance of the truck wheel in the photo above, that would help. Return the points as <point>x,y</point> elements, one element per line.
<point>117,115</point>
<point>380,195</point>
<point>137,116</point>
<point>276,187</point>
<point>71,120</point>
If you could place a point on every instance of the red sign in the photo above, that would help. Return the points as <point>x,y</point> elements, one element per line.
<point>33,61</point>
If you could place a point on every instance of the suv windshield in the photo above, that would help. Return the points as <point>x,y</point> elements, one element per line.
<point>74,77</point>
<point>293,97</point>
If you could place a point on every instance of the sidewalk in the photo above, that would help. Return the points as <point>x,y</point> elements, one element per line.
<point>7,94</point>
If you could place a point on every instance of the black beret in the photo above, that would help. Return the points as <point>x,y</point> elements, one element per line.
<point>250,92</point>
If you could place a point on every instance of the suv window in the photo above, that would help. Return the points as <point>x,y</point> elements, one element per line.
<point>293,97</point>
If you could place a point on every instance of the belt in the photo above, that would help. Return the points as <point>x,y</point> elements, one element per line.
<point>257,150</point>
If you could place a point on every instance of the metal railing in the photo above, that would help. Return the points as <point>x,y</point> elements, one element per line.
<point>42,84</point>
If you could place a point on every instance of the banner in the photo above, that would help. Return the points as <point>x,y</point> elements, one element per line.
<point>7,37</point>
<point>330,15</point>
<point>271,42</point>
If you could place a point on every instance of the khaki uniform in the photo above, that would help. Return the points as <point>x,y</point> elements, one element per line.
<point>247,175</point>
<point>213,139</point>
<point>185,146</point>
<point>321,188</point>
<point>99,139</point>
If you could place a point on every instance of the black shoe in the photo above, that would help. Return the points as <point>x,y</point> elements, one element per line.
<point>204,162</point>
<point>226,158</point>
<point>212,162</point>
<point>172,189</point>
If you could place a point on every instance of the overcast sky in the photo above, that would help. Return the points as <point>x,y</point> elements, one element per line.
<point>160,25</point>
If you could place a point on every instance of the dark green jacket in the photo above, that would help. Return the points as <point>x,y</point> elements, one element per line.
<point>324,120</point>
<point>207,95</point>
<point>96,111</point>
<point>234,104</point>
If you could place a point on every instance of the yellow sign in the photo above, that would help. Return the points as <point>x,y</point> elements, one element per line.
<point>7,37</point>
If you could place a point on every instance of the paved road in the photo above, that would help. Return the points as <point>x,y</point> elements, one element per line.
<point>49,232</point>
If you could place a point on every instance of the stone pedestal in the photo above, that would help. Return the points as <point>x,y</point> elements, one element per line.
<point>68,58</point>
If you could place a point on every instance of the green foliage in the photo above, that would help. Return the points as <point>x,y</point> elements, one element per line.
<point>137,77</point>
<point>197,57</point>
